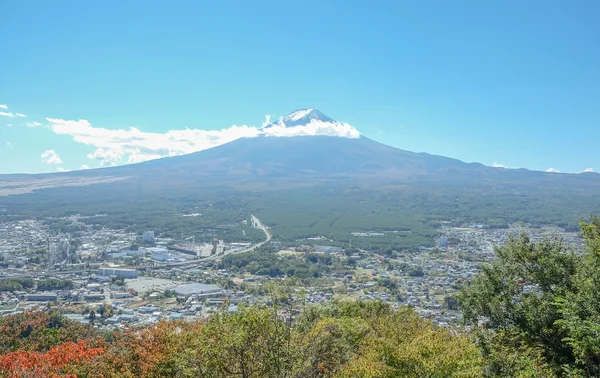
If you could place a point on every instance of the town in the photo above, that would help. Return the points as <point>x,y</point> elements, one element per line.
<point>113,278</point>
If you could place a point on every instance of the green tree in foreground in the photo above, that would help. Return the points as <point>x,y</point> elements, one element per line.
<point>343,339</point>
<point>538,308</point>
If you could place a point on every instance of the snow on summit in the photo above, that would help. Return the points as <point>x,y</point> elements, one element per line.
<point>298,114</point>
<point>307,122</point>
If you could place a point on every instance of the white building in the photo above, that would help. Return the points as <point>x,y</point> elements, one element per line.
<point>124,273</point>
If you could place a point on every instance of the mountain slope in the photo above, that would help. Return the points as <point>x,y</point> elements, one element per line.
<point>305,158</point>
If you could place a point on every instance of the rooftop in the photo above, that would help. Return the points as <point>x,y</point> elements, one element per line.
<point>195,288</point>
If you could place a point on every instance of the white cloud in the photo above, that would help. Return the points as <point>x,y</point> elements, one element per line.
<point>498,165</point>
<point>587,170</point>
<point>61,169</point>
<point>108,156</point>
<point>9,145</point>
<point>2,106</point>
<point>83,166</point>
<point>132,146</point>
<point>9,124</point>
<point>552,170</point>
<point>126,146</point>
<point>12,115</point>
<point>315,127</point>
<point>50,157</point>
<point>267,120</point>
<point>33,124</point>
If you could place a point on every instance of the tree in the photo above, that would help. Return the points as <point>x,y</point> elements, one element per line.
<point>543,301</point>
<point>370,339</point>
<point>47,364</point>
<point>38,331</point>
<point>339,339</point>
<point>450,303</point>
<point>580,306</point>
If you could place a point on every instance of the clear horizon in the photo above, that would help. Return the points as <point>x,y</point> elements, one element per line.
<point>508,84</point>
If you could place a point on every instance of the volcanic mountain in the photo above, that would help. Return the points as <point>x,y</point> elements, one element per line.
<point>305,146</point>
<point>305,175</point>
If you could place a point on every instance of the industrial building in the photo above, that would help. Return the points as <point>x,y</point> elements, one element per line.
<point>94,297</point>
<point>42,297</point>
<point>123,273</point>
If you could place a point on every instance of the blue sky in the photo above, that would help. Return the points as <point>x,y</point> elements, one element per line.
<point>511,82</point>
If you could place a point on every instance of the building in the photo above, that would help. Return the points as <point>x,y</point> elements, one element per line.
<point>148,236</point>
<point>42,297</point>
<point>147,309</point>
<point>94,297</point>
<point>122,319</point>
<point>123,253</point>
<point>85,319</point>
<point>166,257</point>
<point>144,250</point>
<point>327,249</point>
<point>123,273</point>
<point>443,242</point>
<point>129,318</point>
<point>198,289</point>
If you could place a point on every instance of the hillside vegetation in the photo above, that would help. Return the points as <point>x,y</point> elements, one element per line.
<point>343,339</point>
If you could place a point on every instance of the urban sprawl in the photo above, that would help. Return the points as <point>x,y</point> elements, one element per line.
<point>112,278</point>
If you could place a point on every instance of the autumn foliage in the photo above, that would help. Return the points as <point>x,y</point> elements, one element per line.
<point>342,339</point>
<point>38,331</point>
<point>56,362</point>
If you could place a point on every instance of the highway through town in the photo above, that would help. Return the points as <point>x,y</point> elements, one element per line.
<point>256,223</point>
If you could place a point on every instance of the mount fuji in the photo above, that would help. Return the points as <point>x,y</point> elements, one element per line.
<point>305,146</point>
<point>310,162</point>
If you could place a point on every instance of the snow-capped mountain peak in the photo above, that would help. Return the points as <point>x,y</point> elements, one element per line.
<point>308,122</point>
<point>298,114</point>
<point>301,117</point>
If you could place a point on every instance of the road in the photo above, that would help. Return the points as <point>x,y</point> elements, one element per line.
<point>256,223</point>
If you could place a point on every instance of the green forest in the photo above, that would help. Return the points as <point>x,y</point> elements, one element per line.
<point>407,214</point>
